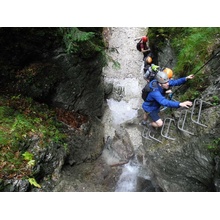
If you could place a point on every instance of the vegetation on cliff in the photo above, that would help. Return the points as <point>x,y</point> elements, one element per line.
<point>193,46</point>
<point>24,58</point>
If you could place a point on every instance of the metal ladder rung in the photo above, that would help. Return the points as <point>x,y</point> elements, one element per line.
<point>199,113</point>
<point>184,120</point>
<point>147,135</point>
<point>168,128</point>
<point>152,137</point>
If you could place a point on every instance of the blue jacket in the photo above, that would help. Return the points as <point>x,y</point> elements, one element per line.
<point>156,98</point>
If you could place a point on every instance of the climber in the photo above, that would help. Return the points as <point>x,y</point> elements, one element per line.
<point>150,70</point>
<point>147,63</point>
<point>156,98</point>
<point>144,46</point>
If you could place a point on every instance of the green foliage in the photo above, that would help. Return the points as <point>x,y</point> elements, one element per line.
<point>115,64</point>
<point>158,35</point>
<point>32,181</point>
<point>214,146</point>
<point>21,119</point>
<point>24,118</point>
<point>72,37</point>
<point>215,100</point>
<point>81,42</point>
<point>27,156</point>
<point>193,47</point>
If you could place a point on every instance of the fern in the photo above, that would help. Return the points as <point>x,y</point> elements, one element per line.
<point>33,182</point>
<point>73,37</point>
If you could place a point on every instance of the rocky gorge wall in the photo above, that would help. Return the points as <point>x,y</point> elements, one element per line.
<point>75,84</point>
<point>189,163</point>
<point>71,82</point>
<point>184,165</point>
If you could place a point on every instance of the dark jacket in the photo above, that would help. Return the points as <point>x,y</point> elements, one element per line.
<point>144,46</point>
<point>156,97</point>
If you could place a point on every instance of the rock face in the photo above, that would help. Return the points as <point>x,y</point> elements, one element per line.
<point>68,81</point>
<point>80,88</point>
<point>119,149</point>
<point>86,144</point>
<point>189,163</point>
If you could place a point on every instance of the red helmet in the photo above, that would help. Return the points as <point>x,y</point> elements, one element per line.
<point>144,39</point>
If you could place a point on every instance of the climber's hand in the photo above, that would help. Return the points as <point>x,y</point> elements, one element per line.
<point>185,104</point>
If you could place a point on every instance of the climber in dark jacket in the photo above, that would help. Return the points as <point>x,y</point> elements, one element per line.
<point>156,98</point>
<point>144,44</point>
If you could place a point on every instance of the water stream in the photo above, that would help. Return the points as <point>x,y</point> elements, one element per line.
<point>124,105</point>
<point>128,179</point>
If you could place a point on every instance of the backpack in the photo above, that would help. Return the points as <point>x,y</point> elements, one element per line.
<point>145,91</point>
<point>150,74</point>
<point>138,46</point>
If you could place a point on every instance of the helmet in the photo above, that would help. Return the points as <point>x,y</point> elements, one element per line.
<point>144,39</point>
<point>169,72</point>
<point>149,60</point>
<point>162,77</point>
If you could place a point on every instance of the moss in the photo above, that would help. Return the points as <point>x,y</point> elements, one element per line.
<point>23,120</point>
<point>193,47</point>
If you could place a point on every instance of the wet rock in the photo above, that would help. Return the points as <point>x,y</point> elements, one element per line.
<point>119,149</point>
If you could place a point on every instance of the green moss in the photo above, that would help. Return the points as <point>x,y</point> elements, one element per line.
<point>214,146</point>
<point>21,120</point>
<point>193,47</point>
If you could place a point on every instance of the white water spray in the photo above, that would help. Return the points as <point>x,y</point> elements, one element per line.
<point>128,179</point>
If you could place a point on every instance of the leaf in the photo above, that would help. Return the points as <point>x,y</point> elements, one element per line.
<point>27,156</point>
<point>31,163</point>
<point>32,181</point>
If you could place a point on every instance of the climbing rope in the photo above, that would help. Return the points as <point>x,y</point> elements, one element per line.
<point>170,96</point>
<point>214,56</point>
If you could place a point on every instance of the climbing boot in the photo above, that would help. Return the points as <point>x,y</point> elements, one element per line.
<point>144,123</point>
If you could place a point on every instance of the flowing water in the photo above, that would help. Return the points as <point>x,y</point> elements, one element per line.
<point>126,99</point>
<point>122,106</point>
<point>128,179</point>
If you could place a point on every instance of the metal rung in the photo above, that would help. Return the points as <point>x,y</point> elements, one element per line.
<point>200,101</point>
<point>183,122</point>
<point>147,135</point>
<point>152,137</point>
<point>170,120</point>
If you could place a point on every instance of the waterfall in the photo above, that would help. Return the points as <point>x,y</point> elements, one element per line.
<point>125,101</point>
<point>128,180</point>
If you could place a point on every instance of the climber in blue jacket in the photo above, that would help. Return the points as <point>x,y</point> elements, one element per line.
<point>156,98</point>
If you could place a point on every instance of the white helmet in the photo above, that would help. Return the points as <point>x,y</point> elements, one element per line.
<point>162,77</point>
